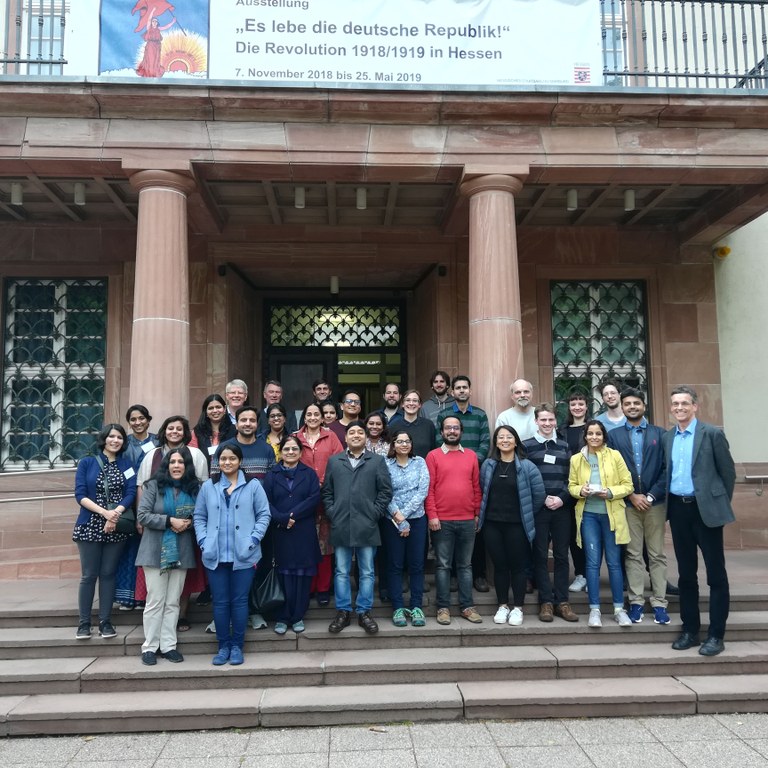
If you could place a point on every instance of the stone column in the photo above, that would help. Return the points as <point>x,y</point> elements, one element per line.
<point>160,340</point>
<point>495,329</point>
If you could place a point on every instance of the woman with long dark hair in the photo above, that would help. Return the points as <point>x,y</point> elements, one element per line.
<point>105,487</point>
<point>231,519</point>
<point>167,550</point>
<point>293,491</point>
<point>512,493</point>
<point>600,481</point>
<point>213,426</point>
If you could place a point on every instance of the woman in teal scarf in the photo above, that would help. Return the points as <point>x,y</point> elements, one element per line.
<point>166,550</point>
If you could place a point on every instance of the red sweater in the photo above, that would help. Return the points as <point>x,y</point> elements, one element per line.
<point>454,485</point>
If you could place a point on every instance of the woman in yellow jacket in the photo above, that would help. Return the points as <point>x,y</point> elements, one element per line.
<point>600,480</point>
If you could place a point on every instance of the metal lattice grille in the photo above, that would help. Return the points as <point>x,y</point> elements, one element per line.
<point>598,332</point>
<point>53,370</point>
<point>371,327</point>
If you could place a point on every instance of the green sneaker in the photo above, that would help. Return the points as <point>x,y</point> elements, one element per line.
<point>417,617</point>
<point>398,618</point>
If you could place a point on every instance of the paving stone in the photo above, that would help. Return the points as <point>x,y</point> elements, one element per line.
<point>385,758</point>
<point>38,750</point>
<point>466,757</point>
<point>288,741</point>
<point>138,746</point>
<point>698,728</point>
<point>745,726</point>
<point>447,735</point>
<point>547,757</point>
<point>205,744</point>
<point>530,733</point>
<point>301,760</point>
<point>609,730</point>
<point>759,745</point>
<point>199,762</point>
<point>716,754</point>
<point>637,755</point>
<point>376,738</point>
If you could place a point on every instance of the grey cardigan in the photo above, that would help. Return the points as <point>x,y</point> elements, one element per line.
<point>152,516</point>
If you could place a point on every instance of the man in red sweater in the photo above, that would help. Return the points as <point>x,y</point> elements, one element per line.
<point>453,509</point>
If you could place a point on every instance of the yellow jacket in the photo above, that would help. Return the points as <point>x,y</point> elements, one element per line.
<point>614,476</point>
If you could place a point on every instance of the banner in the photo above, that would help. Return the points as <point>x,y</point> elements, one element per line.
<point>389,44</point>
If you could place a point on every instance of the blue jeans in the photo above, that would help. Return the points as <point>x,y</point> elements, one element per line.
<point>230,589</point>
<point>596,536</point>
<point>398,550</point>
<point>365,557</point>
<point>455,538</point>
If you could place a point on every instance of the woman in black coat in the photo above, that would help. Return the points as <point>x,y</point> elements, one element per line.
<point>293,491</point>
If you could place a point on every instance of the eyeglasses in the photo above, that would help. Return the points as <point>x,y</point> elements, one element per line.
<point>352,402</point>
<point>291,448</point>
<point>402,442</point>
<point>451,429</point>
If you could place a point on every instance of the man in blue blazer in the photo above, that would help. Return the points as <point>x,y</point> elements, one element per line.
<point>700,480</point>
<point>640,445</point>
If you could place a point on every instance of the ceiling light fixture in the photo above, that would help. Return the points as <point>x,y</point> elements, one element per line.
<point>17,193</point>
<point>361,198</point>
<point>629,200</point>
<point>572,200</point>
<point>334,285</point>
<point>79,193</point>
<point>299,197</point>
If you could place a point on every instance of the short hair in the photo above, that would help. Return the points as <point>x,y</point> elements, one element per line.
<point>575,394</point>
<point>189,482</point>
<point>391,453</point>
<point>596,422</point>
<point>412,392</point>
<point>392,384</point>
<point>438,372</point>
<point>101,438</point>
<point>161,439</point>
<point>548,407</point>
<point>329,404</point>
<point>494,452</point>
<point>142,409</point>
<point>608,383</point>
<point>512,385</point>
<point>351,392</point>
<point>631,392</point>
<point>461,377</point>
<point>288,437</point>
<point>317,382</point>
<point>244,408</point>
<point>233,446</point>
<point>451,416</point>
<point>684,389</point>
<point>239,383</point>
<point>271,383</point>
<point>356,423</point>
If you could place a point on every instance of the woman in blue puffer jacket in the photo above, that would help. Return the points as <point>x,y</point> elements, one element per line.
<point>513,492</point>
<point>231,518</point>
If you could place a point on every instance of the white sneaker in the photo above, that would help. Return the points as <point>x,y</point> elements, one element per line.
<point>211,628</point>
<point>594,618</point>
<point>621,618</point>
<point>501,615</point>
<point>579,584</point>
<point>515,617</point>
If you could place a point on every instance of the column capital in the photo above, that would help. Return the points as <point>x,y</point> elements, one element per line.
<point>497,182</point>
<point>157,178</point>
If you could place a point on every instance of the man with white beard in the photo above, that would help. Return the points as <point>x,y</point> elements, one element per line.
<point>520,416</point>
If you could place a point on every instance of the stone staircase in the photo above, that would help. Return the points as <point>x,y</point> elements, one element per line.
<point>51,683</point>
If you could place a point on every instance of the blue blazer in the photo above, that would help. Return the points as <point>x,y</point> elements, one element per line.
<point>653,479</point>
<point>87,476</point>
<point>713,473</point>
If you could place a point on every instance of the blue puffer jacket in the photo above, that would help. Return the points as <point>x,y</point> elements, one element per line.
<point>530,489</point>
<point>250,518</point>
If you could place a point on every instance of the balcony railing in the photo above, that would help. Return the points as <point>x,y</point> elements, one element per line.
<point>671,44</point>
<point>33,37</point>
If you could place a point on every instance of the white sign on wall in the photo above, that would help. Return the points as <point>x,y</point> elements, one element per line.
<point>391,44</point>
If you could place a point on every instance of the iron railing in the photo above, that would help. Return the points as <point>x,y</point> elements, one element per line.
<point>672,44</point>
<point>33,35</point>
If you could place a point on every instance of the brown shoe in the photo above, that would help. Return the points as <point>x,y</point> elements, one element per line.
<point>564,611</point>
<point>545,612</point>
<point>471,614</point>
<point>443,616</point>
<point>341,620</point>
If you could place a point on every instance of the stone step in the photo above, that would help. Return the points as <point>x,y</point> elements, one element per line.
<point>47,642</point>
<point>147,711</point>
<point>382,667</point>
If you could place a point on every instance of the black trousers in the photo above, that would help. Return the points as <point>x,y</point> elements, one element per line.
<point>510,554</point>
<point>555,525</point>
<point>689,534</point>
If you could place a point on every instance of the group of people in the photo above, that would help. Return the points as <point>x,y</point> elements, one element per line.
<point>213,509</point>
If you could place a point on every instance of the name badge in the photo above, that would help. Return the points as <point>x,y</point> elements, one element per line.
<point>129,473</point>
<point>212,449</point>
<point>549,458</point>
<point>147,447</point>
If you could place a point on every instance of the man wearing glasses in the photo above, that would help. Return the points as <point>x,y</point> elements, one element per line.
<point>351,404</point>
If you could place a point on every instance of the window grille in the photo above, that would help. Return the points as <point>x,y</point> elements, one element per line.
<point>53,371</point>
<point>599,331</point>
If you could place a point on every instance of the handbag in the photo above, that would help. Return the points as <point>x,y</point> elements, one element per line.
<point>268,595</point>
<point>127,521</point>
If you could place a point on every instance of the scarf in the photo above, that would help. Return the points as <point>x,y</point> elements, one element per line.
<point>181,505</point>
